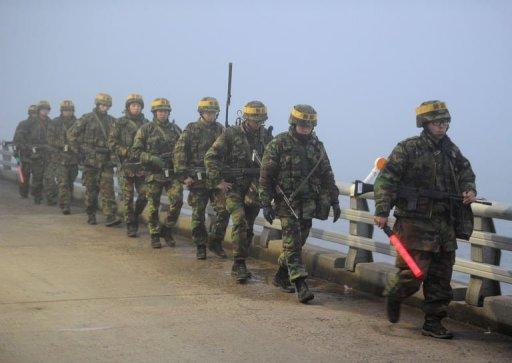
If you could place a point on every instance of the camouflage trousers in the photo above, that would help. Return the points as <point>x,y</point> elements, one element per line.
<point>44,179</point>
<point>129,185</point>
<point>24,187</point>
<point>66,179</point>
<point>295,232</point>
<point>243,216</point>
<point>198,199</point>
<point>174,191</point>
<point>437,268</point>
<point>96,181</point>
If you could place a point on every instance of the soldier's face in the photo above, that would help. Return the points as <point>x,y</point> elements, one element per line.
<point>44,112</point>
<point>103,108</point>
<point>437,128</point>
<point>134,109</point>
<point>67,113</point>
<point>209,116</point>
<point>253,125</point>
<point>162,115</point>
<point>304,129</point>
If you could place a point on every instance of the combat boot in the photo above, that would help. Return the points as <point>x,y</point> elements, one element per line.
<point>66,211</point>
<point>112,220</point>
<point>131,229</point>
<point>303,293</point>
<point>239,270</point>
<point>215,246</point>
<point>91,219</point>
<point>169,239</point>
<point>433,328</point>
<point>38,200</point>
<point>282,280</point>
<point>155,241</point>
<point>201,252</point>
<point>392,309</point>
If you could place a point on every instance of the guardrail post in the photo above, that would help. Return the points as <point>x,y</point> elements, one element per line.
<point>357,255</point>
<point>479,287</point>
<point>6,157</point>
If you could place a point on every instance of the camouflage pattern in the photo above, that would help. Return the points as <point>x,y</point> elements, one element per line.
<point>427,229</point>
<point>89,137</point>
<point>233,149</point>
<point>189,152</point>
<point>43,178</point>
<point>64,159</point>
<point>153,140</point>
<point>287,160</point>
<point>131,177</point>
<point>23,154</point>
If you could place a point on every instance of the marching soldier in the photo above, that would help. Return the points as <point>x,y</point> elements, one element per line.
<point>23,151</point>
<point>428,229</point>
<point>65,159</point>
<point>230,165</point>
<point>297,175</point>
<point>154,144</point>
<point>189,154</point>
<point>131,175</point>
<point>89,136</point>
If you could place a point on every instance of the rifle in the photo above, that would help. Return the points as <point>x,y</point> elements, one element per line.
<point>279,190</point>
<point>226,172</point>
<point>411,194</point>
<point>228,98</point>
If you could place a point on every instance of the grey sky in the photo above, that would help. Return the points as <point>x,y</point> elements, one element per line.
<point>364,65</point>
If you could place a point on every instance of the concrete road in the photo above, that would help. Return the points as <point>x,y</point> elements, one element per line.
<point>70,292</point>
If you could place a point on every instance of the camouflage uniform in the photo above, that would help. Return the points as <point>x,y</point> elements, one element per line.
<point>23,151</point>
<point>131,177</point>
<point>152,141</point>
<point>426,229</point>
<point>67,160</point>
<point>234,149</point>
<point>287,160</point>
<point>42,176</point>
<point>189,153</point>
<point>89,136</point>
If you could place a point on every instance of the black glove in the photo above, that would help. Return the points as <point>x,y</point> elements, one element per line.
<point>269,213</point>
<point>336,211</point>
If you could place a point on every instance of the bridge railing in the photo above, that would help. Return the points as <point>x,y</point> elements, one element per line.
<point>483,267</point>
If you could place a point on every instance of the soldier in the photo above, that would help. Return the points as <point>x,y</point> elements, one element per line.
<point>189,166</point>
<point>22,151</point>
<point>66,160</point>
<point>154,144</point>
<point>296,164</point>
<point>42,176</point>
<point>89,136</point>
<point>230,165</point>
<point>131,174</point>
<point>430,161</point>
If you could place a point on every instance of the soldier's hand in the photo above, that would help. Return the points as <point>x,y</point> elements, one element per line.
<point>380,221</point>
<point>336,211</point>
<point>158,162</point>
<point>188,182</point>
<point>468,197</point>
<point>224,186</point>
<point>269,213</point>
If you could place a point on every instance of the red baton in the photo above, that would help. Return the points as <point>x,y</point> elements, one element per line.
<point>402,251</point>
<point>20,174</point>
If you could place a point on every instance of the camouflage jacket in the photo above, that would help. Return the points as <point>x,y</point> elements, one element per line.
<point>191,148</point>
<point>120,141</point>
<point>421,162</point>
<point>157,139</point>
<point>36,140</point>
<point>287,160</point>
<point>233,149</point>
<point>20,141</point>
<point>89,137</point>
<point>58,140</point>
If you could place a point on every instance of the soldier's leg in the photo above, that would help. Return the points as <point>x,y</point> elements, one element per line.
<point>128,193</point>
<point>108,197</point>
<point>235,207</point>
<point>295,233</point>
<point>63,186</point>
<point>198,199</point>
<point>25,186</point>
<point>90,180</point>
<point>174,191</point>
<point>72,174</point>
<point>142,201</point>
<point>218,229</point>
<point>37,180</point>
<point>153,193</point>
<point>50,183</point>
<point>403,284</point>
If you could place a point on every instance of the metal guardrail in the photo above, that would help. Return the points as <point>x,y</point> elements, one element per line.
<point>486,245</point>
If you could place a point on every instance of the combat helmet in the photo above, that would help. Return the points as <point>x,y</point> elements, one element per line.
<point>160,104</point>
<point>32,109</point>
<point>255,111</point>
<point>103,99</point>
<point>67,105</point>
<point>431,111</point>
<point>134,98</point>
<point>43,105</point>
<point>208,104</point>
<point>303,115</point>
